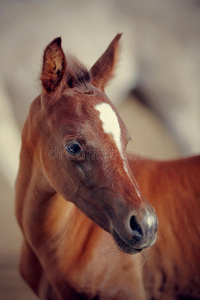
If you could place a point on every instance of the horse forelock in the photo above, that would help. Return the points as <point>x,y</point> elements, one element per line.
<point>76,73</point>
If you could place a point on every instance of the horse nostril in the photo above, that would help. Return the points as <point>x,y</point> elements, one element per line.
<point>135,226</point>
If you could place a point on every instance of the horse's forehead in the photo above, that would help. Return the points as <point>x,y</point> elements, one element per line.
<point>94,108</point>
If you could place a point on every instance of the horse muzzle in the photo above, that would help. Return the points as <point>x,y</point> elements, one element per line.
<point>137,232</point>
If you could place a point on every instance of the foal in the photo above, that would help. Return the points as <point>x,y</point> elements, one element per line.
<point>76,198</point>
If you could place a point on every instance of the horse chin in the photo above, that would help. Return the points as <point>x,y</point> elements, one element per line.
<point>122,245</point>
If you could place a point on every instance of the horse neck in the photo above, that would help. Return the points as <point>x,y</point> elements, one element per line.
<point>31,183</point>
<point>173,189</point>
<point>32,188</point>
<point>177,181</point>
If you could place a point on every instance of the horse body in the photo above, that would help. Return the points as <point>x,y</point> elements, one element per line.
<point>78,205</point>
<point>172,187</point>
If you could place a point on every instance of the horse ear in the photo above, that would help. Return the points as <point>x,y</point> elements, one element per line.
<point>103,70</point>
<point>54,65</point>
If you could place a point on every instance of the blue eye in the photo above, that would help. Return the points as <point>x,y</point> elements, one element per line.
<point>74,148</point>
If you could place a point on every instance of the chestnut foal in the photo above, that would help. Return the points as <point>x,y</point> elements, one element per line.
<point>76,198</point>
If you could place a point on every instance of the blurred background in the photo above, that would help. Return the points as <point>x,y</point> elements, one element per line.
<point>156,87</point>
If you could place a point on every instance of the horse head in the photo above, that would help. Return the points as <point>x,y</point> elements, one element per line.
<point>82,142</point>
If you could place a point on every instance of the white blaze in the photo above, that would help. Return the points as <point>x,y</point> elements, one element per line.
<point>111,126</point>
<point>110,123</point>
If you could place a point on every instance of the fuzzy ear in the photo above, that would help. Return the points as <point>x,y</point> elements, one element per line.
<point>54,65</point>
<point>103,69</point>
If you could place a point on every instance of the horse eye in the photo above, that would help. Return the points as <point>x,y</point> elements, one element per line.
<point>74,148</point>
